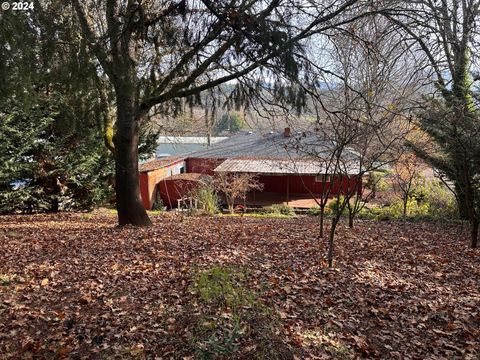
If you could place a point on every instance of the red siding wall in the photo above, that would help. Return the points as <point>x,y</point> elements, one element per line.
<point>173,190</point>
<point>149,181</point>
<point>306,184</point>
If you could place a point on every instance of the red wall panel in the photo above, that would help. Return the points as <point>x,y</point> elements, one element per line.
<point>173,190</point>
<point>307,184</point>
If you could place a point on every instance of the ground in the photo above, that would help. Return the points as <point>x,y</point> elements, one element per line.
<point>75,286</point>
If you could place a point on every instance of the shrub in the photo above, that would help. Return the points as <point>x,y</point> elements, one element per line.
<point>208,199</point>
<point>414,208</point>
<point>333,205</point>
<point>430,200</point>
<point>440,200</point>
<point>158,203</point>
<point>376,181</point>
<point>281,209</point>
<point>313,211</point>
<point>370,213</point>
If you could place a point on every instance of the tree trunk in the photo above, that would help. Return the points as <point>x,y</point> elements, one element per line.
<point>350,219</point>
<point>331,237</point>
<point>322,217</point>
<point>129,202</point>
<point>405,203</point>
<point>474,232</point>
<point>460,197</point>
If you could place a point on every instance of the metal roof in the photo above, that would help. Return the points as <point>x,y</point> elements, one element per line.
<point>187,176</point>
<point>279,166</point>
<point>306,148</point>
<point>272,145</point>
<point>159,163</point>
<point>189,139</point>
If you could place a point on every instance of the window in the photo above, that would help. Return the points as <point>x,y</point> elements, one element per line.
<point>322,178</point>
<point>182,170</point>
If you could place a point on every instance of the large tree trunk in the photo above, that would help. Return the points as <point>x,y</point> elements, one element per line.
<point>129,202</point>
<point>460,197</point>
<point>474,233</point>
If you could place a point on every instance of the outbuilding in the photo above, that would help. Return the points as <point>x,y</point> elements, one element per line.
<point>291,168</point>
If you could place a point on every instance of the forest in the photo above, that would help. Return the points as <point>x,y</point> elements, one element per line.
<point>332,211</point>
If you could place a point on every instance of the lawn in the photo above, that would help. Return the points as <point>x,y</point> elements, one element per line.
<point>75,286</point>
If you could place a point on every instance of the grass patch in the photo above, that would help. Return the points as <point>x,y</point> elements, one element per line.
<point>222,286</point>
<point>214,340</point>
<point>220,289</point>
<point>6,280</point>
<point>153,212</point>
<point>12,234</point>
<point>232,313</point>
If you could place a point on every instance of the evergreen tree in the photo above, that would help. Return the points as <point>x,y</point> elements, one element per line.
<point>45,168</point>
<point>447,33</point>
<point>52,116</point>
<point>230,122</point>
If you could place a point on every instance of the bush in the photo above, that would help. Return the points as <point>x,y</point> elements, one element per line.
<point>332,206</point>
<point>440,200</point>
<point>414,208</point>
<point>376,181</point>
<point>314,211</point>
<point>208,199</point>
<point>430,200</point>
<point>281,209</point>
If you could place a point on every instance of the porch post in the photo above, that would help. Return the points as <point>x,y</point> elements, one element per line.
<point>288,189</point>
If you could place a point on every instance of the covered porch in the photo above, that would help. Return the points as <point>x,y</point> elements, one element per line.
<point>262,199</point>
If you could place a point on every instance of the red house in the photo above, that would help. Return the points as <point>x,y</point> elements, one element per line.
<point>289,167</point>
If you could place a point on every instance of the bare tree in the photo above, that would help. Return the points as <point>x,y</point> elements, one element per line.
<point>235,186</point>
<point>363,112</point>
<point>407,172</point>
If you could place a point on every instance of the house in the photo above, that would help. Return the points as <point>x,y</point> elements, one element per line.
<point>290,167</point>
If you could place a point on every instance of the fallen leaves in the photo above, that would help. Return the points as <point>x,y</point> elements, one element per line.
<point>77,286</point>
